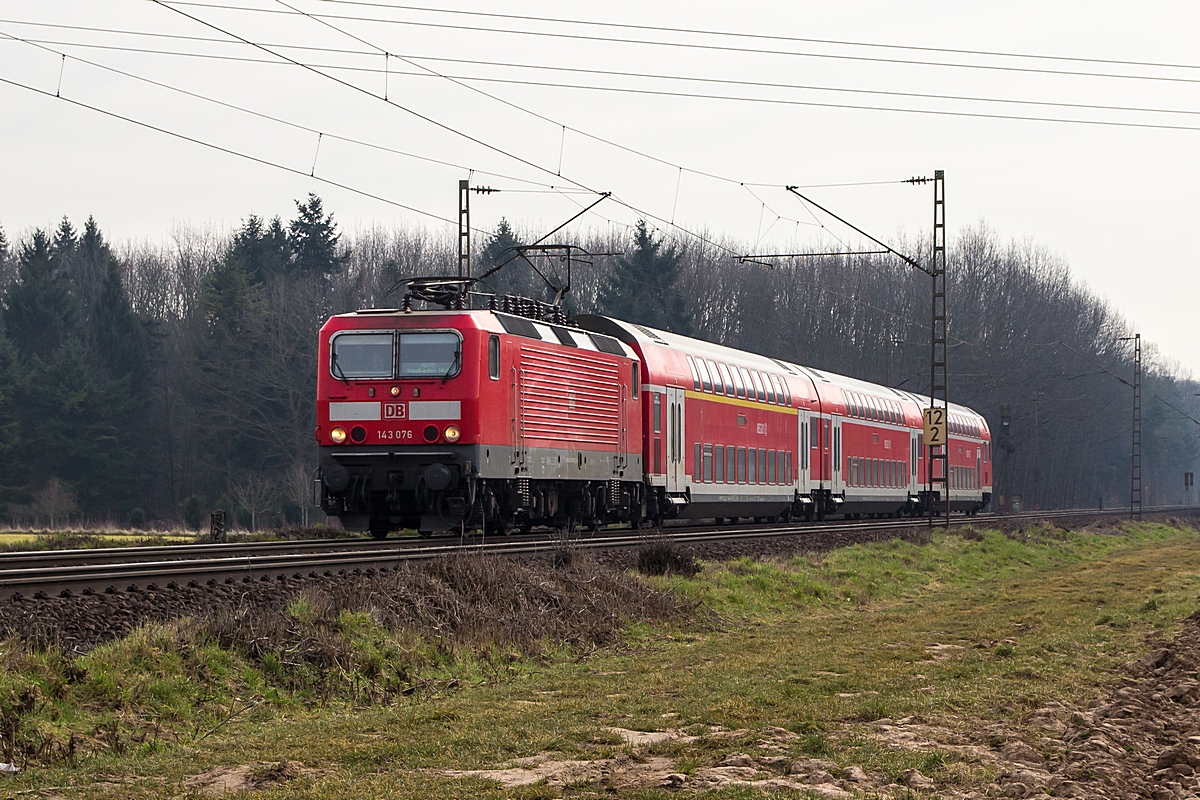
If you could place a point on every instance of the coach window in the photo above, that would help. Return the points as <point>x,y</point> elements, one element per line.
<point>758,387</point>
<point>771,472</point>
<point>635,378</point>
<point>731,464</point>
<point>737,381</point>
<point>718,463</point>
<point>708,463</point>
<point>494,358</point>
<point>657,412</point>
<point>751,465</point>
<point>361,355</point>
<point>697,476</point>
<point>766,376</point>
<point>780,467</point>
<point>741,466</point>
<point>790,479</point>
<point>695,374</point>
<point>725,379</point>
<point>787,393</point>
<point>705,380</point>
<point>815,431</point>
<point>718,383</point>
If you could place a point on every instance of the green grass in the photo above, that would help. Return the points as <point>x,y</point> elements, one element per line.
<point>961,633</point>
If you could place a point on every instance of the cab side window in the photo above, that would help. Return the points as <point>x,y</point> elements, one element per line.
<point>494,357</point>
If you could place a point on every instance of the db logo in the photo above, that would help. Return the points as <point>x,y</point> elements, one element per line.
<point>395,411</point>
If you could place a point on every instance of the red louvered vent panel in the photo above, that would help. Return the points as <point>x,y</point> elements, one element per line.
<point>567,396</point>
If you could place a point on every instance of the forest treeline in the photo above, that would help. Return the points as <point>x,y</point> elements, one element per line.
<point>151,383</point>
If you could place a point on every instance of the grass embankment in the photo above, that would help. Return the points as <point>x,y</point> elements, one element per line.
<point>961,633</point>
<point>37,539</point>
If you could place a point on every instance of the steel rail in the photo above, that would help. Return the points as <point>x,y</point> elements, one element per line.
<point>221,566</point>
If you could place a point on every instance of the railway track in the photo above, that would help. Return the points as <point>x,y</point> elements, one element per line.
<point>135,569</point>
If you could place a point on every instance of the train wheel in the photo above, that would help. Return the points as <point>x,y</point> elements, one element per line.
<point>379,533</point>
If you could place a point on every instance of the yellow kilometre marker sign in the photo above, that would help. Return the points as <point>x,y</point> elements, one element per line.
<point>935,427</point>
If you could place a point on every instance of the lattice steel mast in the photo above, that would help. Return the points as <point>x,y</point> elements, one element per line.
<point>938,350</point>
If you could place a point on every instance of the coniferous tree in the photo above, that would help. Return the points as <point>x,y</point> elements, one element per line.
<point>514,277</point>
<point>259,251</point>
<point>39,307</point>
<point>642,287</point>
<point>314,240</point>
<point>87,267</point>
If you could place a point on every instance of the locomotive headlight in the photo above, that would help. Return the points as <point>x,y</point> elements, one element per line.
<point>452,433</point>
<point>395,391</point>
<point>338,435</point>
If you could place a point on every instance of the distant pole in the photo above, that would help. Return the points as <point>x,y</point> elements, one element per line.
<point>1188,480</point>
<point>464,229</point>
<point>1135,473</point>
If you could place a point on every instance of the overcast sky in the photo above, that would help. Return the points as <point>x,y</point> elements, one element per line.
<point>1120,204</point>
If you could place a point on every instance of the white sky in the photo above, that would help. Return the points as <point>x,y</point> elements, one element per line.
<point>1118,203</point>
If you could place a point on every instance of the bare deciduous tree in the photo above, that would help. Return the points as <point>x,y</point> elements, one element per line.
<point>54,502</point>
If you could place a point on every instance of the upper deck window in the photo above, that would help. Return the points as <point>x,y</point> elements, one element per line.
<point>705,379</point>
<point>718,382</point>
<point>762,393</point>
<point>361,355</point>
<point>737,381</point>
<point>429,355</point>
<point>695,374</point>
<point>725,379</point>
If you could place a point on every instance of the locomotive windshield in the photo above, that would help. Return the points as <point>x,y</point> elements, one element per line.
<point>429,355</point>
<point>362,355</point>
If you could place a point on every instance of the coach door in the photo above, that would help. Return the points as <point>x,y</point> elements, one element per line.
<point>802,454</point>
<point>914,456</point>
<point>835,446</point>
<point>676,450</point>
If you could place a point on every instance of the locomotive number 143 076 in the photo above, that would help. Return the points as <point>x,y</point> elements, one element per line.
<point>393,434</point>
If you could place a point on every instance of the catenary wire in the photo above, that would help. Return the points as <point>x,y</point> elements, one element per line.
<point>278,120</point>
<point>172,3</point>
<point>411,58</point>
<point>413,112</point>
<point>467,79</point>
<point>698,46</point>
<point>645,214</point>
<point>578,131</point>
<point>228,151</point>
<point>449,128</point>
<point>382,51</point>
<point>765,36</point>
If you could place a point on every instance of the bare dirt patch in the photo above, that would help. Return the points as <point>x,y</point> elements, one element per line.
<point>636,770</point>
<point>253,777</point>
<point>1143,742</point>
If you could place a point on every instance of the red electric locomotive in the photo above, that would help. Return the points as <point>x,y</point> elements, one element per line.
<point>463,419</point>
<point>436,420</point>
